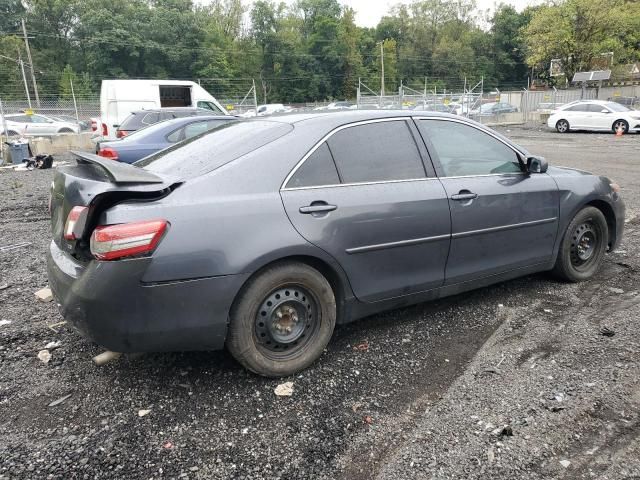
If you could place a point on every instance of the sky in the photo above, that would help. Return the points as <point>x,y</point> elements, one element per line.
<point>369,12</point>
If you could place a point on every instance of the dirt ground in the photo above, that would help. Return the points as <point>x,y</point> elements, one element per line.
<point>511,381</point>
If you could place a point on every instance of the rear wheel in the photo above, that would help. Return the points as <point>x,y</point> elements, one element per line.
<point>11,133</point>
<point>562,126</point>
<point>583,246</point>
<point>65,130</point>
<point>282,320</point>
<point>620,125</point>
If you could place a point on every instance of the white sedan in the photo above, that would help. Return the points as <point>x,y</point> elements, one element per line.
<point>596,115</point>
<point>36,125</point>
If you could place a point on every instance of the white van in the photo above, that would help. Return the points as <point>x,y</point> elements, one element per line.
<point>118,98</point>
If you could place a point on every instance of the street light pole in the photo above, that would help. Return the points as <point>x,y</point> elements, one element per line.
<point>382,68</point>
<point>33,75</point>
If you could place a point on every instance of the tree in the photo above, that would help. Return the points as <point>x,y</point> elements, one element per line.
<point>579,31</point>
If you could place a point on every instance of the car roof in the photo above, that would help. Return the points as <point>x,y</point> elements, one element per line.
<point>346,116</point>
<point>170,109</point>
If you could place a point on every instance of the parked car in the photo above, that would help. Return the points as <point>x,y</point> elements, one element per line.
<point>494,108</point>
<point>37,125</point>
<point>594,115</point>
<point>118,98</point>
<point>83,124</point>
<point>143,118</point>
<point>340,105</point>
<point>158,136</point>
<point>434,107</point>
<point>262,235</point>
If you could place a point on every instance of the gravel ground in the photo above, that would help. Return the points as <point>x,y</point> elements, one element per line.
<point>510,381</point>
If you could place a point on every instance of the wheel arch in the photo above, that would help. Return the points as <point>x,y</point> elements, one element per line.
<point>609,215</point>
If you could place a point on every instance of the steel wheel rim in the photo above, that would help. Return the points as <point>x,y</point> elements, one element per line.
<point>585,240</point>
<point>286,320</point>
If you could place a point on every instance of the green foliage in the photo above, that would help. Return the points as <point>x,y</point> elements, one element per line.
<point>579,32</point>
<point>307,50</point>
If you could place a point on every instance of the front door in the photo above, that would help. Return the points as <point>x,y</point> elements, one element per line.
<point>501,218</point>
<point>363,196</point>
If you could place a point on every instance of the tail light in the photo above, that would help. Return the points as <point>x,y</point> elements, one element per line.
<point>105,130</point>
<point>75,223</point>
<point>108,152</point>
<point>94,126</point>
<point>121,133</point>
<point>112,242</point>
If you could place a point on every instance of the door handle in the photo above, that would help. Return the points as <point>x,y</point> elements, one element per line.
<point>464,195</point>
<point>318,207</point>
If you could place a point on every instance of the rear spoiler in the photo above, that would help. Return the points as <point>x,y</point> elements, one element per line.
<point>119,172</point>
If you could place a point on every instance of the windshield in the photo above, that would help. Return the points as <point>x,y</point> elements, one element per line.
<point>616,107</point>
<point>210,150</point>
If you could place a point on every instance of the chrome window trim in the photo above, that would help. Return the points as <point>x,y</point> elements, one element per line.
<point>283,187</point>
<point>356,184</point>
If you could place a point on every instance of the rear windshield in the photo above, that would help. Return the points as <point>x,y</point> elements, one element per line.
<point>210,150</point>
<point>139,120</point>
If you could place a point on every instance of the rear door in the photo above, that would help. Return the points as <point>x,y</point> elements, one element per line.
<point>364,196</point>
<point>599,117</point>
<point>501,218</point>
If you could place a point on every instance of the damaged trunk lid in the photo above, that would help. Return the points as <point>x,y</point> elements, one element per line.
<point>98,184</point>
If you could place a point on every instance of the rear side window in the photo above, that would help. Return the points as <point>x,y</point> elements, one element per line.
<point>464,150</point>
<point>376,152</point>
<point>318,169</point>
<point>578,108</point>
<point>209,106</point>
<point>594,108</point>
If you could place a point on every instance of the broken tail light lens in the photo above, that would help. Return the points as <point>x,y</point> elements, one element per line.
<point>109,153</point>
<point>76,220</point>
<point>112,242</point>
<point>105,130</point>
<point>121,133</point>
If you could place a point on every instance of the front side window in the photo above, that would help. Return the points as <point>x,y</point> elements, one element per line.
<point>578,108</point>
<point>374,152</point>
<point>466,151</point>
<point>317,170</point>
<point>594,108</point>
<point>208,106</point>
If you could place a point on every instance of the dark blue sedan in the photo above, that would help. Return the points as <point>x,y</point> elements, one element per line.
<point>156,137</point>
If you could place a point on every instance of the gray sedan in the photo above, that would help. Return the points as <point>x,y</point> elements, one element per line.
<point>262,235</point>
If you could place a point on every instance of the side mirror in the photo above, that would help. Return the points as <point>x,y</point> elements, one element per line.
<point>604,110</point>
<point>537,165</point>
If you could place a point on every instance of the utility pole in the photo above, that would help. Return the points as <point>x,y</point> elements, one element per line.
<point>73,94</point>
<point>33,75</point>
<point>255,95</point>
<point>382,65</point>
<point>24,77</point>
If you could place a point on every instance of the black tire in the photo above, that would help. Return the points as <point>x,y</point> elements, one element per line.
<point>583,246</point>
<point>620,124</point>
<point>562,126</point>
<point>11,133</point>
<point>288,292</point>
<point>65,130</point>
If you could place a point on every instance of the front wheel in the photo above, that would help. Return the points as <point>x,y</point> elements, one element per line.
<point>583,246</point>
<point>562,126</point>
<point>282,320</point>
<point>620,125</point>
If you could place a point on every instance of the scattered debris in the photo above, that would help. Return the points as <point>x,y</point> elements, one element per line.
<point>244,431</point>
<point>362,347</point>
<point>142,413</point>
<point>4,286</point>
<point>548,310</point>
<point>356,406</point>
<point>500,305</point>
<point>44,295</point>
<point>167,445</point>
<point>4,322</point>
<point>8,248</point>
<point>106,357</point>
<point>59,401</point>
<point>491,456</point>
<point>501,360</point>
<point>52,345</point>
<point>565,463</point>
<point>284,389</point>
<point>54,326</point>
<point>44,356</point>
<point>367,419</point>
<point>606,331</point>
<point>615,290</point>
